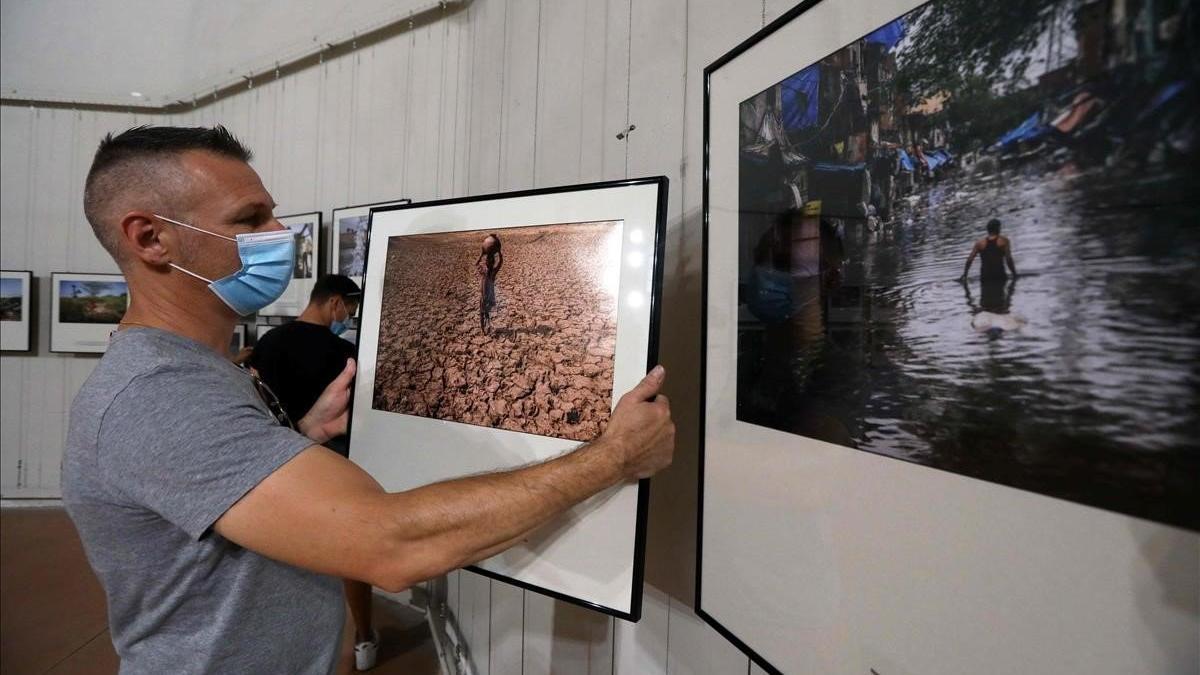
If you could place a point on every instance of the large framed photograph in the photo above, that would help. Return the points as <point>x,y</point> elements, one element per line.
<point>499,331</point>
<point>16,311</point>
<point>85,309</point>
<point>952,284</point>
<point>306,227</point>
<point>349,248</point>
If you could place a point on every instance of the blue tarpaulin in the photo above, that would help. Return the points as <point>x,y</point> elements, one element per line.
<point>906,162</point>
<point>1031,129</point>
<point>1162,97</point>
<point>889,35</point>
<point>836,168</point>
<point>936,158</point>
<point>799,93</point>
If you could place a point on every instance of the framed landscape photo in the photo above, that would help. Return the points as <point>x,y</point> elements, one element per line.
<point>85,309</point>
<point>951,264</point>
<point>499,331</point>
<point>16,311</point>
<point>349,247</point>
<point>306,227</point>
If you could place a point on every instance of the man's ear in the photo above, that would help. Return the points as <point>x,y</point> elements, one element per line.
<point>147,238</point>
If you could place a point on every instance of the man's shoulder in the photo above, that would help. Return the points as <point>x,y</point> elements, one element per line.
<point>144,358</point>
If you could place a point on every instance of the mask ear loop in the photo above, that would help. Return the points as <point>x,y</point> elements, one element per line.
<point>193,227</point>
<point>188,272</point>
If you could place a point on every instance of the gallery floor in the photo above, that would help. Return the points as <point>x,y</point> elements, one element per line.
<point>52,609</point>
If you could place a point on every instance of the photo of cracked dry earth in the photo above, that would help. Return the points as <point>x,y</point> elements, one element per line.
<point>543,364</point>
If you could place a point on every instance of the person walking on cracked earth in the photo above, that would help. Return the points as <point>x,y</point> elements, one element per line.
<point>488,265</point>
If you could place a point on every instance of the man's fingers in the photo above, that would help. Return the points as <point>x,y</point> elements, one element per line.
<point>649,386</point>
<point>662,398</point>
<point>347,374</point>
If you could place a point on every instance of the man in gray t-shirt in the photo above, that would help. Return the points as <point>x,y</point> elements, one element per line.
<point>219,532</point>
<point>158,451</point>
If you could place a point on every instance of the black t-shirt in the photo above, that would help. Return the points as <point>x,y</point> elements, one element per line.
<point>297,361</point>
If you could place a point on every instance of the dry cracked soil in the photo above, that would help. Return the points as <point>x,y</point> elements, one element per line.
<point>545,366</point>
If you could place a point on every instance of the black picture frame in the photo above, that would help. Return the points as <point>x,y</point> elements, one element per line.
<point>643,499</point>
<point>1179,521</point>
<point>30,319</point>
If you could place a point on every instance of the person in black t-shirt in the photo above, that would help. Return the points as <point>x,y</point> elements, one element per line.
<point>297,361</point>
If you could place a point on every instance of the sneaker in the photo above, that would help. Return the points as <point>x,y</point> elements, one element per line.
<point>365,653</point>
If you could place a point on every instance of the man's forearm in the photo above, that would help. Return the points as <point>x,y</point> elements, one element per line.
<point>447,525</point>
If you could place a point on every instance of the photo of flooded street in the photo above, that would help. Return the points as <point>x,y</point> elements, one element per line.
<point>511,328</point>
<point>1065,357</point>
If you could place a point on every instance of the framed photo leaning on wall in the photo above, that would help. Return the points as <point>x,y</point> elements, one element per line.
<point>950,286</point>
<point>16,311</point>
<point>500,330</point>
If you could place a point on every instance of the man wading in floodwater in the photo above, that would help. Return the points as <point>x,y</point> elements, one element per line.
<point>994,252</point>
<point>488,264</point>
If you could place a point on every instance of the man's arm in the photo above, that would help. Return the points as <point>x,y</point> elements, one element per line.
<point>970,259</point>
<point>1008,257</point>
<point>323,513</point>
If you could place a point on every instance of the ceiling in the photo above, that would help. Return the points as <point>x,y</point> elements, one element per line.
<point>108,51</point>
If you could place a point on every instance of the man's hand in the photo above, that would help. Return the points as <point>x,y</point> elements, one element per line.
<point>641,428</point>
<point>330,414</point>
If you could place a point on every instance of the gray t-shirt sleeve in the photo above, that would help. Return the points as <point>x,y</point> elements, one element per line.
<point>189,443</point>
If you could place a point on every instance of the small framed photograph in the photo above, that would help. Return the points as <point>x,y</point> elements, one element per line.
<point>349,240</point>
<point>16,311</point>
<point>499,331</point>
<point>85,309</point>
<point>306,227</point>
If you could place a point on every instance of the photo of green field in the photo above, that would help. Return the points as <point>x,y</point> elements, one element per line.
<point>92,301</point>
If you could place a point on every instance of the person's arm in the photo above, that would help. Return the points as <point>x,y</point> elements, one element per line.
<point>499,261</point>
<point>970,259</point>
<point>1008,257</point>
<point>323,513</point>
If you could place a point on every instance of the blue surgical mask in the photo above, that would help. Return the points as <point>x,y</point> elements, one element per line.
<point>268,259</point>
<point>339,327</point>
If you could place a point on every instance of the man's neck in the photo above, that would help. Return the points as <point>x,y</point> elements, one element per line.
<point>312,314</point>
<point>203,318</point>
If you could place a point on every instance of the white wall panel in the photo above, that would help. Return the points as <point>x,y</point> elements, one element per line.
<point>489,35</point>
<point>642,647</point>
<point>475,621</point>
<point>507,637</point>
<point>604,94</point>
<point>697,649</point>
<point>522,68</point>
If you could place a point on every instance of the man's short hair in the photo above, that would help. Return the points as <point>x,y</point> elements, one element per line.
<point>330,285</point>
<point>993,226</point>
<point>142,159</point>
